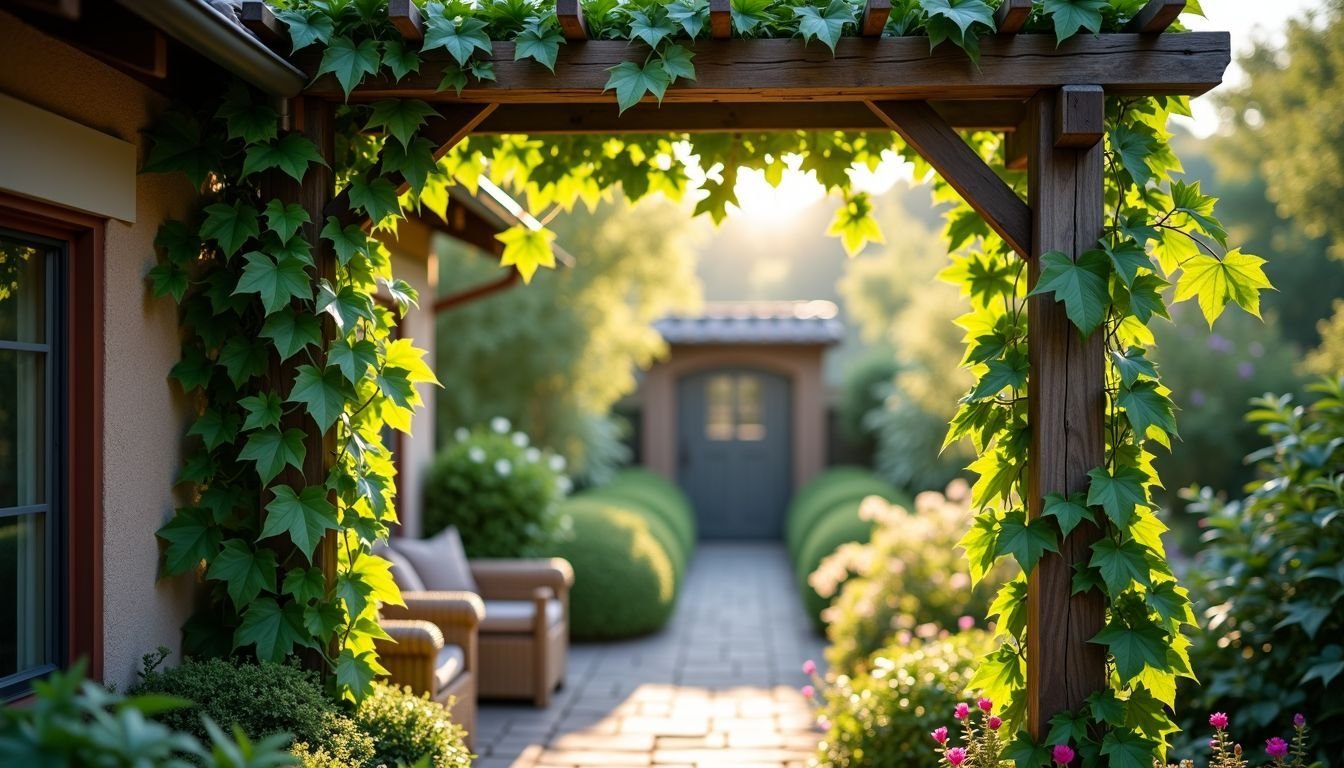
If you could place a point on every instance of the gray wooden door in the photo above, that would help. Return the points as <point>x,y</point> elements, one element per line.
<point>733,446</point>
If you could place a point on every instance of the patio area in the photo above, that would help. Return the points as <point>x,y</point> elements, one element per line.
<point>717,687</point>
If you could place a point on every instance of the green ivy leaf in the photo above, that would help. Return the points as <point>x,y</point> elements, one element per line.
<point>1171,603</point>
<point>273,630</point>
<point>1080,285</point>
<point>1144,298</point>
<point>306,26</point>
<point>263,410</point>
<point>1068,727</point>
<point>1010,606</point>
<point>1068,16</point>
<point>677,63</point>
<point>855,225</point>
<point>169,279</point>
<point>719,195</point>
<point>353,358</point>
<point>539,42</point>
<point>243,358</point>
<point>1133,146</point>
<point>230,225</point>
<point>1189,200</point>
<point>1106,707</point>
<point>1133,364</point>
<point>461,38</point>
<point>414,161</point>
<point>305,584</point>
<point>453,77</point>
<point>400,59</point>
<point>652,26</point>
<point>245,572</point>
<point>1126,749</point>
<point>376,197</point>
<point>346,306</point>
<point>1025,753</point>
<point>285,219</point>
<point>276,282</point>
<point>246,119</point>
<point>192,537</point>
<point>1237,277</point>
<point>272,451</point>
<point>1117,494</point>
<point>355,673</point>
<point>176,145</point>
<point>526,249</point>
<point>1120,564</point>
<point>748,15</point>
<point>631,82</point>
<point>395,384</point>
<point>291,331</point>
<point>1127,257</point>
<point>349,62</point>
<point>356,592</point>
<point>1146,406</point>
<point>692,15</point>
<point>828,24</point>
<point>348,242</point>
<point>1026,541</point>
<point>305,516</point>
<point>1068,512</point>
<point>321,392</point>
<point>1008,372</point>
<point>403,293</point>
<point>291,153</point>
<point>215,428</point>
<point>322,620</point>
<point>400,117</point>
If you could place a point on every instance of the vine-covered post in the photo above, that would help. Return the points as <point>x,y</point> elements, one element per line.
<point>1067,401</point>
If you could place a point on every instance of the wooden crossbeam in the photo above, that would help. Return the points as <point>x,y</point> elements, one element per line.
<point>875,15</point>
<point>1012,16</point>
<point>257,17</point>
<point>572,24</point>
<point>478,292</point>
<point>720,19</point>
<point>929,135</point>
<point>1080,116</point>
<point>1156,16</point>
<point>455,122</point>
<point>405,17</point>
<point>603,118</point>
<point>754,71</point>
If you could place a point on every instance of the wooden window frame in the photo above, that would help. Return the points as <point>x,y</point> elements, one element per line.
<point>83,236</point>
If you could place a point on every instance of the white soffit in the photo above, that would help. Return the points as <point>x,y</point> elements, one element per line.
<point>50,158</point>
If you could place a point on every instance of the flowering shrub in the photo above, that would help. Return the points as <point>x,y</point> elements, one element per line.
<point>882,718</point>
<point>1269,583</point>
<point>909,580</point>
<point>499,490</point>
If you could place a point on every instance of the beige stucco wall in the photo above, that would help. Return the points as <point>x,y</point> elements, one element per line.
<point>414,260</point>
<point>801,364</point>
<point>144,417</point>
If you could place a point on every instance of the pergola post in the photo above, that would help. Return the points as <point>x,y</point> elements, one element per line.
<point>1067,401</point>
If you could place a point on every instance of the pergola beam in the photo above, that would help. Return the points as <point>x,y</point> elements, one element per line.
<point>862,69</point>
<point>601,118</point>
<point>1012,16</point>
<point>1156,16</point>
<point>926,132</point>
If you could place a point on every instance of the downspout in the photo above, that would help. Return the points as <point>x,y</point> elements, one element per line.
<point>203,28</point>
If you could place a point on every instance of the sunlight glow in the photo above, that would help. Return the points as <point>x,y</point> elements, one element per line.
<point>799,189</point>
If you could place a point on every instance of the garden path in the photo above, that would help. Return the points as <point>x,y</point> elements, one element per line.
<point>717,688</point>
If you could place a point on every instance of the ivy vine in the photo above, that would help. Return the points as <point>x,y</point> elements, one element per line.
<point>253,301</point>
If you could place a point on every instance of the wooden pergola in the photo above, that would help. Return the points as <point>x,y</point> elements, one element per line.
<point>1049,98</point>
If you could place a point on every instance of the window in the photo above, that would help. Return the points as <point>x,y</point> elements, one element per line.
<point>31,480</point>
<point>733,408</point>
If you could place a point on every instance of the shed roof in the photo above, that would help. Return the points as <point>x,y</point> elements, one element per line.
<point>756,322</point>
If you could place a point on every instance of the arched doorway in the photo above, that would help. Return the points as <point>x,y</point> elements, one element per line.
<point>734,442</point>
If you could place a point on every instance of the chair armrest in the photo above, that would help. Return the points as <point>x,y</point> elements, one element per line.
<point>455,614</point>
<point>517,579</point>
<point>410,654</point>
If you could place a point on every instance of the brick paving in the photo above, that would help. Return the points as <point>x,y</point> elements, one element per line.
<point>717,688</point>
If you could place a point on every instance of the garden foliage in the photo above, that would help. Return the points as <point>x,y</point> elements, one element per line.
<point>499,490</point>
<point>1269,581</point>
<point>409,729</point>
<point>836,486</point>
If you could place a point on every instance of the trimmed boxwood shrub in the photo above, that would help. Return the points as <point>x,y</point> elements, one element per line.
<point>407,729</point>
<point>679,556</point>
<point>660,496</point>
<point>625,581</point>
<point>817,498</point>
<point>841,524</point>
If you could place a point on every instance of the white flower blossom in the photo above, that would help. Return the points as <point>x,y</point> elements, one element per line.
<point>532,455</point>
<point>461,434</point>
<point>476,454</point>
<point>503,468</point>
<point>500,425</point>
<point>557,463</point>
<point>520,439</point>
<point>564,485</point>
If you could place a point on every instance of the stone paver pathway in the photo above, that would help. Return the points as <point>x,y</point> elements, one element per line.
<point>718,687</point>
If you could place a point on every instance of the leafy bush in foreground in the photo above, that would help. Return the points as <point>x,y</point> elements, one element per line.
<point>408,729</point>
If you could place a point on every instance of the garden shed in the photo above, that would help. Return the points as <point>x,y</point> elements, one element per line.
<point>736,414</point>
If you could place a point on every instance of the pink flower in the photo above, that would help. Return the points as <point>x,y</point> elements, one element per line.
<point>994,722</point>
<point>985,704</point>
<point>956,756</point>
<point>939,735</point>
<point>962,711</point>
<point>809,691</point>
<point>823,724</point>
<point>1299,720</point>
<point>1276,748</point>
<point>809,667</point>
<point>1062,754</point>
<point>965,623</point>
<point>1218,720</point>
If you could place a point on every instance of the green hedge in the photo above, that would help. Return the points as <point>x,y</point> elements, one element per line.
<point>625,578</point>
<point>840,524</point>
<point>660,496</point>
<point>833,487</point>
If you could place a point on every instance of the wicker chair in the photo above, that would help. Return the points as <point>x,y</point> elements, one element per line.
<point>523,639</point>
<point>434,650</point>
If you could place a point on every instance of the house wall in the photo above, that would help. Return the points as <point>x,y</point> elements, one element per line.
<point>144,417</point>
<point>801,364</point>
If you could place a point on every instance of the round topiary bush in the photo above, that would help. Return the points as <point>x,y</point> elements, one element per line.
<point>662,497</point>
<point>498,490</point>
<point>841,524</point>
<point>817,498</point>
<point>625,581</point>
<point>407,728</point>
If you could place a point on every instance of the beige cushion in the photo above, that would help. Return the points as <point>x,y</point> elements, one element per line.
<point>440,562</point>
<point>516,615</point>
<point>402,571</point>
<point>448,664</point>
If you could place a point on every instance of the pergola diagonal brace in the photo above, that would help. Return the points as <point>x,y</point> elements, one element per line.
<point>453,124</point>
<point>929,134</point>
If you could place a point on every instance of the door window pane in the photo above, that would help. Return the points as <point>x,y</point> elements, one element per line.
<point>719,408</point>
<point>750,409</point>
<point>23,594</point>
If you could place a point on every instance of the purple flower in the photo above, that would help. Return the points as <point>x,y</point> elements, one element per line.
<point>965,623</point>
<point>962,711</point>
<point>939,734</point>
<point>1218,720</point>
<point>1062,754</point>
<point>1219,344</point>
<point>1245,370</point>
<point>1299,720</point>
<point>1276,748</point>
<point>809,667</point>
<point>956,756</point>
<point>985,704</point>
<point>809,691</point>
<point>994,722</point>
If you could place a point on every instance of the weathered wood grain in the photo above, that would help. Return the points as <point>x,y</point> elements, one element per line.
<point>720,19</point>
<point>1011,16</point>
<point>1080,116</point>
<point>572,25</point>
<point>405,16</point>
<point>1066,387</point>
<point>1156,16</point>
<point>926,132</point>
<point>260,21</point>
<point>874,20</point>
<point>862,69</point>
